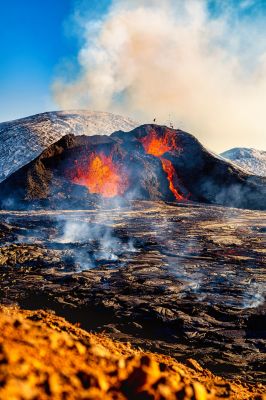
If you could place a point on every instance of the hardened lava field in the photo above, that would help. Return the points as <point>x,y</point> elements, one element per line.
<point>185,280</point>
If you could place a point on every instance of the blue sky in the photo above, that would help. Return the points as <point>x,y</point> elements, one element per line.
<point>35,38</point>
<point>32,41</point>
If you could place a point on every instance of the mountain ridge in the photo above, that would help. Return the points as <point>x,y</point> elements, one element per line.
<point>24,139</point>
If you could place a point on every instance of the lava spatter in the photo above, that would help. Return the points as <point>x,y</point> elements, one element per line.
<point>101,175</point>
<point>159,145</point>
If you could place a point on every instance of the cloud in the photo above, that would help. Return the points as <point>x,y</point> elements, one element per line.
<point>149,59</point>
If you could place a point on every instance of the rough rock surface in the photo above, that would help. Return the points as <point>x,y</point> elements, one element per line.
<point>44,357</point>
<point>24,139</point>
<point>151,162</point>
<point>183,280</point>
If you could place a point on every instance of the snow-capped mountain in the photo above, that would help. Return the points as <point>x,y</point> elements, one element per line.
<point>24,139</point>
<point>252,160</point>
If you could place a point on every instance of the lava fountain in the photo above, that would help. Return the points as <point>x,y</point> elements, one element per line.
<point>159,145</point>
<point>101,175</point>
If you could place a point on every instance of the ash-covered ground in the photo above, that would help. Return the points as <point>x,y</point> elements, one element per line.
<point>186,280</point>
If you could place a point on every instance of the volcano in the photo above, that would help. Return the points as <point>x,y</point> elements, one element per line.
<point>150,162</point>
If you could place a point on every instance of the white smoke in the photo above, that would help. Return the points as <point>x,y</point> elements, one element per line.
<point>92,239</point>
<point>158,58</point>
<point>74,231</point>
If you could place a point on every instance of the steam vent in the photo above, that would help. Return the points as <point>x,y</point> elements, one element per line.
<point>149,163</point>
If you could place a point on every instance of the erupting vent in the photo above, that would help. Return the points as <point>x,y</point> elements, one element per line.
<point>158,146</point>
<point>101,175</point>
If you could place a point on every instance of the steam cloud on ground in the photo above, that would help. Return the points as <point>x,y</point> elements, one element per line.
<point>94,240</point>
<point>151,59</point>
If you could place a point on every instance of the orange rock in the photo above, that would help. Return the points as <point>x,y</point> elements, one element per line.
<point>44,357</point>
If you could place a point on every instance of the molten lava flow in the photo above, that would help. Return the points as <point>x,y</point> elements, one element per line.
<point>159,145</point>
<point>170,171</point>
<point>156,145</point>
<point>101,175</point>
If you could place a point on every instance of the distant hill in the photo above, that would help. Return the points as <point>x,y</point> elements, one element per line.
<point>252,160</point>
<point>24,139</point>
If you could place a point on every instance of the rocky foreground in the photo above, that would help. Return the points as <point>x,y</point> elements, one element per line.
<point>42,357</point>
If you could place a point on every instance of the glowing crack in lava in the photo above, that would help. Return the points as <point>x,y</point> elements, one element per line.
<point>101,175</point>
<point>159,145</point>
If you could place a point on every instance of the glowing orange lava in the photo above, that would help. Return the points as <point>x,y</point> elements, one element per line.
<point>101,175</point>
<point>158,146</point>
<point>170,171</point>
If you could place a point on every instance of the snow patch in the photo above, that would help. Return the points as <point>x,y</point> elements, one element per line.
<point>24,139</point>
<point>252,160</point>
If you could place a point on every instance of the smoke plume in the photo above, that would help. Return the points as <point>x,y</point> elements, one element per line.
<point>174,60</point>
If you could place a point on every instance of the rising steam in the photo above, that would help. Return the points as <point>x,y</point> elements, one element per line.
<point>152,59</point>
<point>91,241</point>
